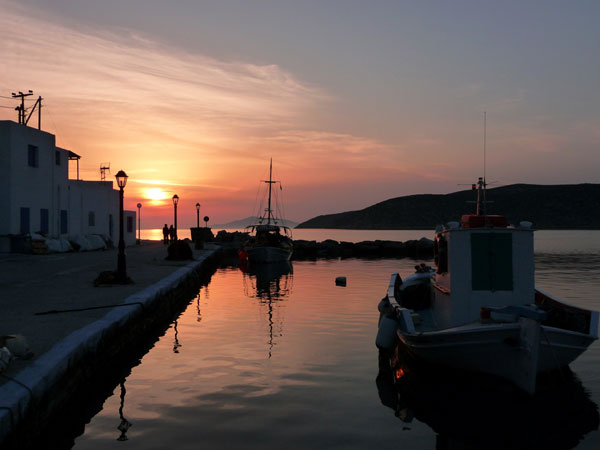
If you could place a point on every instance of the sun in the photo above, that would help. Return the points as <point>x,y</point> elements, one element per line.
<point>155,194</point>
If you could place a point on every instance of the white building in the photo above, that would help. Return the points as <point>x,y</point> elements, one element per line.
<point>37,196</point>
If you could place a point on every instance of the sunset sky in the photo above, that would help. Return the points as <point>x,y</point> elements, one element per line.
<point>355,101</point>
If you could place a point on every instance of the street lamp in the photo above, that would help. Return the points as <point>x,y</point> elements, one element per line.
<point>139,206</point>
<point>175,201</point>
<point>197,215</point>
<point>121,177</point>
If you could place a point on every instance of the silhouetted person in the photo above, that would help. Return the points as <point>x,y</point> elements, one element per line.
<point>165,234</point>
<point>172,233</point>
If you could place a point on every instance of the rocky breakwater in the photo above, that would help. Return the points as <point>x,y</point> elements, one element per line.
<point>422,248</point>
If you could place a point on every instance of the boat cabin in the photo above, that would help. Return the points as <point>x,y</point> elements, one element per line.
<point>481,262</point>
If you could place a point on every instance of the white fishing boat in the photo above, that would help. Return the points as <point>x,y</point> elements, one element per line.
<point>479,308</point>
<point>269,241</point>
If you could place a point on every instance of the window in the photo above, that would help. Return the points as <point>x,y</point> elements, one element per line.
<point>44,228</point>
<point>32,156</point>
<point>492,268</point>
<point>129,224</point>
<point>24,221</point>
<point>57,157</point>
<point>92,219</point>
<point>64,226</point>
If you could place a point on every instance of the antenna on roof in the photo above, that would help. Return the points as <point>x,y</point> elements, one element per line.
<point>104,167</point>
<point>484,164</point>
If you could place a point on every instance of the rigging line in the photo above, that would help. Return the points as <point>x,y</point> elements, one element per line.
<point>258,201</point>
<point>283,215</point>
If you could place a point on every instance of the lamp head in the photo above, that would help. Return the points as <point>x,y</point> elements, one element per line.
<point>139,205</point>
<point>175,199</point>
<point>197,206</point>
<point>121,177</point>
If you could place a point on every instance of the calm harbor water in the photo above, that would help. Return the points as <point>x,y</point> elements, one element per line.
<point>283,358</point>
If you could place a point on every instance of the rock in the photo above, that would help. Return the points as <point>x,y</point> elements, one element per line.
<point>179,251</point>
<point>17,345</point>
<point>5,358</point>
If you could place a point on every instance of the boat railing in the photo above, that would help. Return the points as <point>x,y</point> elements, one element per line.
<point>565,316</point>
<point>403,315</point>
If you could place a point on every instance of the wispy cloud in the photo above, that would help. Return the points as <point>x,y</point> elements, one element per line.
<point>193,122</point>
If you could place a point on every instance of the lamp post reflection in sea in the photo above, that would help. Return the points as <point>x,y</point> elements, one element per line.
<point>175,201</point>
<point>176,343</point>
<point>125,424</point>
<point>121,177</point>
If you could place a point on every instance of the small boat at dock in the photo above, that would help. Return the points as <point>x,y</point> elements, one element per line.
<point>269,242</point>
<point>479,309</point>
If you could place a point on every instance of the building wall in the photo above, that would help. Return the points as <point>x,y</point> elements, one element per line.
<point>36,194</point>
<point>34,187</point>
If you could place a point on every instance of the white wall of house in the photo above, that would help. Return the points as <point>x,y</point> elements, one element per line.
<point>34,174</point>
<point>36,194</point>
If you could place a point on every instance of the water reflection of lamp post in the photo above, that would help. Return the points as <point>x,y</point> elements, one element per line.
<point>175,201</point>
<point>139,206</point>
<point>197,215</point>
<point>176,343</point>
<point>125,424</point>
<point>121,177</point>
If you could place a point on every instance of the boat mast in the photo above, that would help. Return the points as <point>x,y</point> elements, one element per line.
<point>270,182</point>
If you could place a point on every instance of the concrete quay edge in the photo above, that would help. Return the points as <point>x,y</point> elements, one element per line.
<point>35,380</point>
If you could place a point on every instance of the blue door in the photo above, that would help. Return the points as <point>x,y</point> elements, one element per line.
<point>44,223</point>
<point>64,226</point>
<point>24,220</point>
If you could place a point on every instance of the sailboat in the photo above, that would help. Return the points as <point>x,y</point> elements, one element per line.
<point>269,242</point>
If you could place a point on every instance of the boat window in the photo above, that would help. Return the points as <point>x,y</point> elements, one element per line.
<point>491,262</point>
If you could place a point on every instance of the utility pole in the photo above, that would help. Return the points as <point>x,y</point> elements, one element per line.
<point>21,108</point>
<point>38,105</point>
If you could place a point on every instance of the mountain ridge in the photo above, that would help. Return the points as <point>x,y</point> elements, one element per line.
<point>547,206</point>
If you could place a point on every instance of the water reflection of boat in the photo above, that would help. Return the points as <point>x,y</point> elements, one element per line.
<point>270,284</point>
<point>270,241</point>
<point>474,411</point>
<point>269,281</point>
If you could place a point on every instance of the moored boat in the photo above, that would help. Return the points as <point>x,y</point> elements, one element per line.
<point>269,242</point>
<point>479,308</point>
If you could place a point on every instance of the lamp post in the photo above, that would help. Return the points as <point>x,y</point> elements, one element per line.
<point>139,206</point>
<point>197,215</point>
<point>175,201</point>
<point>121,177</point>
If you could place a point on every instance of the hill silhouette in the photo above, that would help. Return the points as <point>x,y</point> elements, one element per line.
<point>547,206</point>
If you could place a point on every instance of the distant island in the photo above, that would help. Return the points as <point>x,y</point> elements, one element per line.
<point>569,206</point>
<point>243,223</point>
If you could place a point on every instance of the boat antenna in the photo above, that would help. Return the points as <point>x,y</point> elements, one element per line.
<point>484,164</point>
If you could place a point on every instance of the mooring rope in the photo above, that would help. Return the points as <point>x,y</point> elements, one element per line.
<point>58,311</point>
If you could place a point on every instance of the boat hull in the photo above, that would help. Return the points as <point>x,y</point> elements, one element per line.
<point>498,350</point>
<point>268,254</point>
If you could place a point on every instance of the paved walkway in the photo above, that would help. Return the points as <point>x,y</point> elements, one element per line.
<point>36,283</point>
